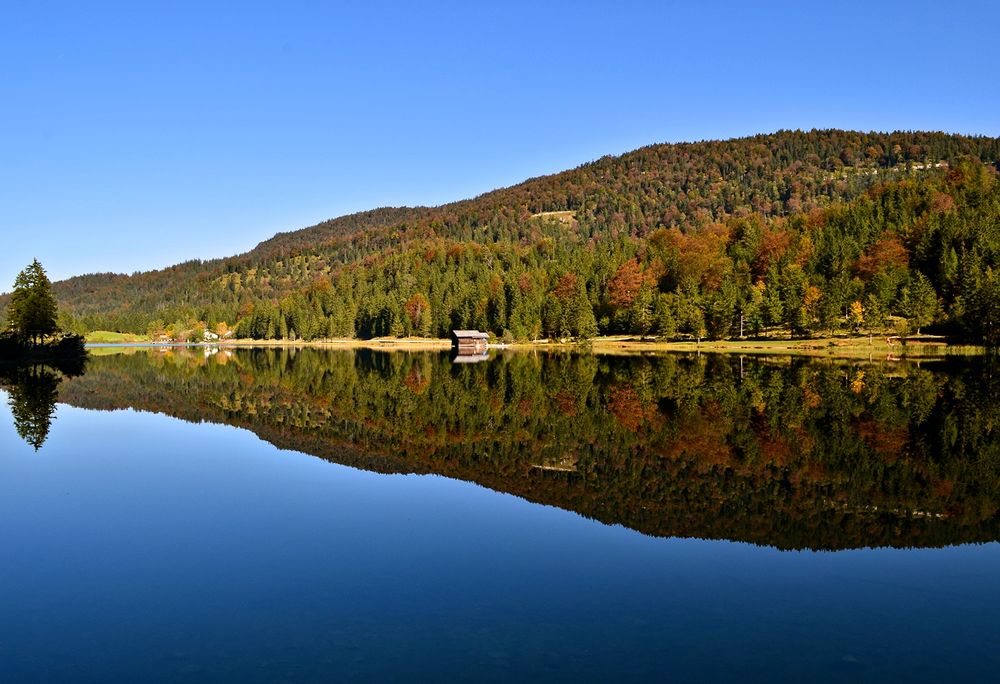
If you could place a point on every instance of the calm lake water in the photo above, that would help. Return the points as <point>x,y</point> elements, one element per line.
<point>274,515</point>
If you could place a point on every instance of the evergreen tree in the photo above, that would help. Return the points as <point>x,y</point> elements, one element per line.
<point>920,302</point>
<point>663,316</point>
<point>32,312</point>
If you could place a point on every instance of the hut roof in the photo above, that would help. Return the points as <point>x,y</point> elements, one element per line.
<point>469,335</point>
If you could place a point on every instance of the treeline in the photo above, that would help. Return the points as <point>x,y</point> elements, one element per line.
<point>784,452</point>
<point>799,231</point>
<point>904,256</point>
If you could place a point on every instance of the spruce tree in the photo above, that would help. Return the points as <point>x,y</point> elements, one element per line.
<point>32,311</point>
<point>920,301</point>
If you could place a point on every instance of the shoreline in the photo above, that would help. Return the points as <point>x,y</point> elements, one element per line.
<point>828,347</point>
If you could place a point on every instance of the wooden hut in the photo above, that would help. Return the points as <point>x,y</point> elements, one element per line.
<point>469,342</point>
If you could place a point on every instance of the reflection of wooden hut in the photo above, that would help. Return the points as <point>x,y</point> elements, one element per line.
<point>469,358</point>
<point>469,342</point>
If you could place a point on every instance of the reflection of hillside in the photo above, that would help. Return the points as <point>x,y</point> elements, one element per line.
<point>792,454</point>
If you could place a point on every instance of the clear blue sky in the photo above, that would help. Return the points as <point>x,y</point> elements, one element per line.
<point>139,134</point>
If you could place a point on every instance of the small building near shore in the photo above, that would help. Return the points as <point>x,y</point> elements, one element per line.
<point>469,342</point>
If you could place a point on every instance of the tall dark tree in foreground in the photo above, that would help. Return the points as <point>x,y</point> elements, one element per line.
<point>31,314</point>
<point>29,335</point>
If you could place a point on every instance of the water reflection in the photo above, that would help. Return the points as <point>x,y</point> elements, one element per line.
<point>32,395</point>
<point>785,452</point>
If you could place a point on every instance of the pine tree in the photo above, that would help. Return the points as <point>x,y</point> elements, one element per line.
<point>920,301</point>
<point>32,312</point>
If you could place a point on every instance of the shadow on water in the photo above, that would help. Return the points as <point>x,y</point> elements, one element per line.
<point>33,390</point>
<point>785,452</point>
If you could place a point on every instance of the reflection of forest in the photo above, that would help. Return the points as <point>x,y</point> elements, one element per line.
<point>783,452</point>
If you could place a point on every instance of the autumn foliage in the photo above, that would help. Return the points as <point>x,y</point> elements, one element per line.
<point>673,240</point>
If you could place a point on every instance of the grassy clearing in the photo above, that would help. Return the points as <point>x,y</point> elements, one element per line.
<point>563,217</point>
<point>109,337</point>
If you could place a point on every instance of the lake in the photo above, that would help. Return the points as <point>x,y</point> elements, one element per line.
<point>263,515</point>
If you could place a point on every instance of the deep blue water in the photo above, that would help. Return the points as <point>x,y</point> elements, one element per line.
<point>139,547</point>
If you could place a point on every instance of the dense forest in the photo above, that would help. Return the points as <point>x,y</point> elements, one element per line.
<point>784,452</point>
<point>792,232</point>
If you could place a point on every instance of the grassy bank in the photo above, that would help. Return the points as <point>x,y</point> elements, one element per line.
<point>401,343</point>
<point>853,347</point>
<point>842,347</point>
<point>109,337</point>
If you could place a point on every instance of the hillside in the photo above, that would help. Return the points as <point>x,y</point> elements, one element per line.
<point>796,230</point>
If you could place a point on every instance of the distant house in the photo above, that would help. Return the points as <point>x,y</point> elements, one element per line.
<point>210,336</point>
<point>469,342</point>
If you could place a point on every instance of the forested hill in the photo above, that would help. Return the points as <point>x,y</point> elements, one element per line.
<point>804,231</point>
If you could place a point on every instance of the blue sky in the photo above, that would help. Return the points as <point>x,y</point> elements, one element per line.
<point>139,134</point>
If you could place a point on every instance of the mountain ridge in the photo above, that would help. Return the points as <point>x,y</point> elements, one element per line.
<point>407,211</point>
<point>617,209</point>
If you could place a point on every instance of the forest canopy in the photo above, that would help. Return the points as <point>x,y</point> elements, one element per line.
<point>793,233</point>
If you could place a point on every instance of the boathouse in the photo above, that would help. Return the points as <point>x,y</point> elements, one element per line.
<point>469,342</point>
